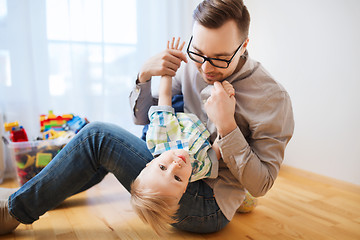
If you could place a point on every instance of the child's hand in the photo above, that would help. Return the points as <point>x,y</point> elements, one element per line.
<point>176,46</point>
<point>228,88</point>
<point>165,94</point>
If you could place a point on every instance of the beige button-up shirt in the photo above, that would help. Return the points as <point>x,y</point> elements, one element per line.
<point>253,152</point>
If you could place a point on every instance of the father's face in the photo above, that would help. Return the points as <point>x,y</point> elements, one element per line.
<point>218,43</point>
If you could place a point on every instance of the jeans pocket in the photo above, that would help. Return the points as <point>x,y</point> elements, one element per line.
<point>202,224</point>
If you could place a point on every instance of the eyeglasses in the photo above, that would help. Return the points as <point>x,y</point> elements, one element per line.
<point>216,62</point>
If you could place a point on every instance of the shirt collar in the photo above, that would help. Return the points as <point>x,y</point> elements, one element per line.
<point>247,69</point>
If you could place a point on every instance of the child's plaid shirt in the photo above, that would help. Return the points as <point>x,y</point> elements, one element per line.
<point>169,130</point>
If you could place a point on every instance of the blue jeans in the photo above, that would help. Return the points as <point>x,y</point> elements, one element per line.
<point>97,149</point>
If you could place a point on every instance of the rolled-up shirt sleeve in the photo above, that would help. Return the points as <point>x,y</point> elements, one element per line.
<point>255,162</point>
<point>141,100</point>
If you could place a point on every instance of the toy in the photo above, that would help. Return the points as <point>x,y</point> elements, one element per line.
<point>75,124</point>
<point>32,157</point>
<point>17,133</point>
<point>66,122</point>
<point>54,122</point>
<point>52,134</point>
<point>27,161</point>
<point>9,126</point>
<point>43,159</point>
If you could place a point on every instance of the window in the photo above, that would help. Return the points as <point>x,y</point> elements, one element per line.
<point>3,9</point>
<point>90,41</point>
<point>5,78</point>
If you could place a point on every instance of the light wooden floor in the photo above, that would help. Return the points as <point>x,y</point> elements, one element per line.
<point>299,206</point>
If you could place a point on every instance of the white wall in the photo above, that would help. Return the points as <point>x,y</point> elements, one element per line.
<point>313,48</point>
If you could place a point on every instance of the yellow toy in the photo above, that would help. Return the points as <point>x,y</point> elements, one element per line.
<point>52,134</point>
<point>8,126</point>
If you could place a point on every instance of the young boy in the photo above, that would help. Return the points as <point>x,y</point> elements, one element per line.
<point>183,154</point>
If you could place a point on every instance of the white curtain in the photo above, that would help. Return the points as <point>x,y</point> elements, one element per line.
<point>81,56</point>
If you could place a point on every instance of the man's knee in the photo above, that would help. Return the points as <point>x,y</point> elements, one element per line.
<point>96,127</point>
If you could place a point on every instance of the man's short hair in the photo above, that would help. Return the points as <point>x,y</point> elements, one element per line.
<point>214,13</point>
<point>153,208</point>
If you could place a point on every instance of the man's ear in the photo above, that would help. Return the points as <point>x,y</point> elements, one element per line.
<point>243,49</point>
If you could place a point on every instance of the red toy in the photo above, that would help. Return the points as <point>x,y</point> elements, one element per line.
<point>18,134</point>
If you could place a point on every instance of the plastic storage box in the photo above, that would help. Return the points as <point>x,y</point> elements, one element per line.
<point>32,156</point>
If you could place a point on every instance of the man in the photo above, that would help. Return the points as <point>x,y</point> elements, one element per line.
<point>253,129</point>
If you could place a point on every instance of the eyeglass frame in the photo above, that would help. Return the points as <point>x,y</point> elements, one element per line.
<point>209,58</point>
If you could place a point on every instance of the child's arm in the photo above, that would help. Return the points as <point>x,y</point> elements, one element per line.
<point>165,93</point>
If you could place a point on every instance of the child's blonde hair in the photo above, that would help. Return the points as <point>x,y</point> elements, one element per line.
<point>153,208</point>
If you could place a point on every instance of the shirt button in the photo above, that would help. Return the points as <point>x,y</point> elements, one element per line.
<point>137,90</point>
<point>136,109</point>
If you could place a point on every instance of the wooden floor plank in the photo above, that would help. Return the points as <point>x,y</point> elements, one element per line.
<point>301,205</point>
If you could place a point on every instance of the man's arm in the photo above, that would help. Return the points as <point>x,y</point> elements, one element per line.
<point>141,99</point>
<point>256,162</point>
<point>230,91</point>
<point>165,63</point>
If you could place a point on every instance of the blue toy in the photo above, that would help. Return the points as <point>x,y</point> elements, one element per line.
<point>75,124</point>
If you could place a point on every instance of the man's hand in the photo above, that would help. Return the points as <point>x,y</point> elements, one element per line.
<point>220,108</point>
<point>165,63</point>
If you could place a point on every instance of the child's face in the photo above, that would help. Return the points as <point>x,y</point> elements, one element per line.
<point>168,174</point>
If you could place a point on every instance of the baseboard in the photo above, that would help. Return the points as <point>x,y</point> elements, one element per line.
<point>321,178</point>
